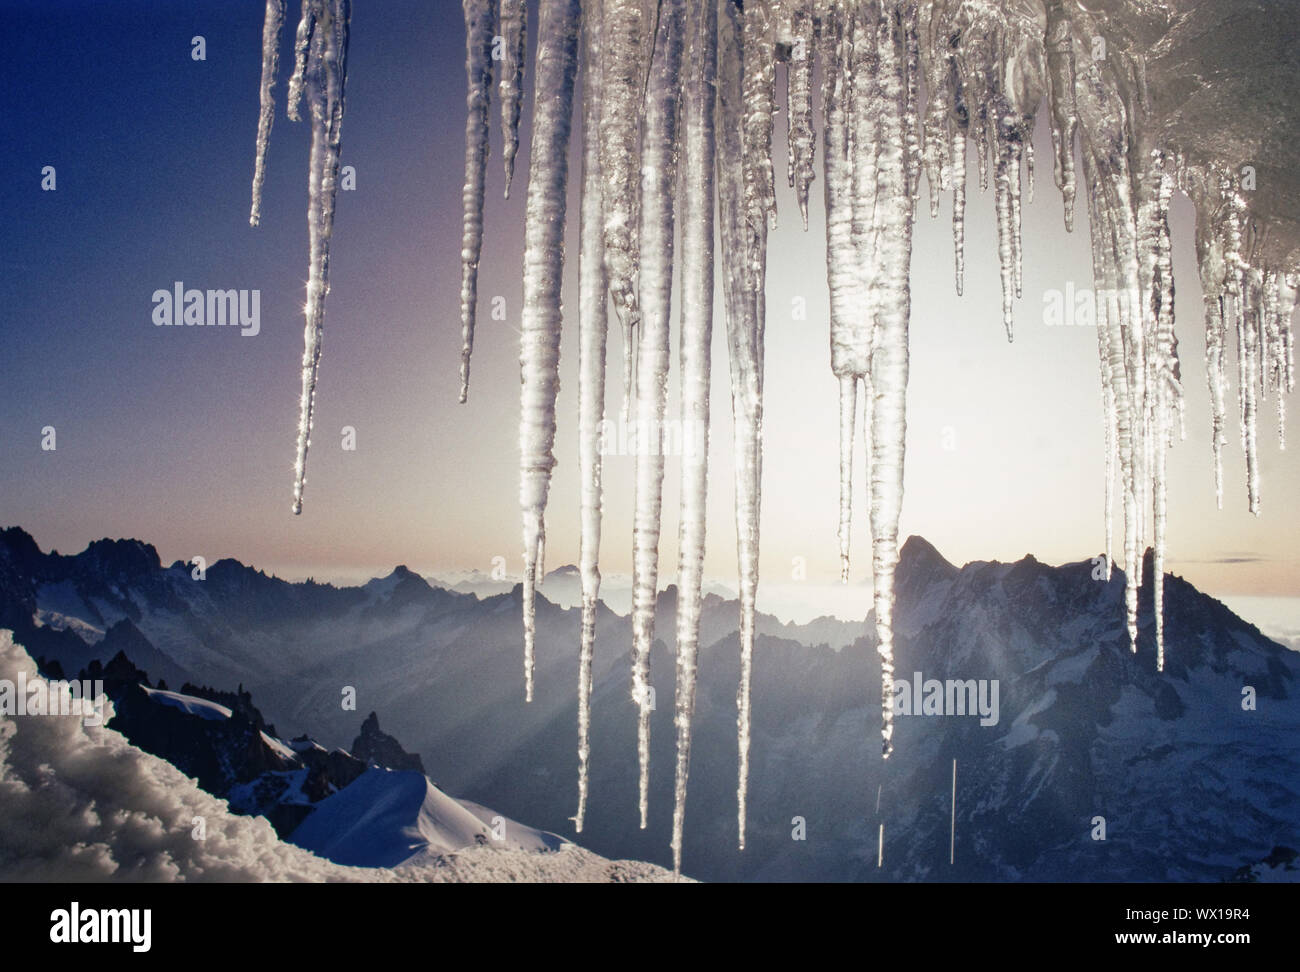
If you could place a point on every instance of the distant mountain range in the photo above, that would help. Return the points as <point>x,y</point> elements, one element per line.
<point>1188,774</point>
<point>561,586</point>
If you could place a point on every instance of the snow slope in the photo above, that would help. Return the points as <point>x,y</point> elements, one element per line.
<point>387,817</point>
<point>79,803</point>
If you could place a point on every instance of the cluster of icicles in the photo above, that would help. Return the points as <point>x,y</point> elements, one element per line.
<point>678,101</point>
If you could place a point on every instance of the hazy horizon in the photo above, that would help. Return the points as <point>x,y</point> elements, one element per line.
<point>1278,617</point>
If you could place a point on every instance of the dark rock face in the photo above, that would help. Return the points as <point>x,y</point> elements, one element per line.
<point>218,753</point>
<point>375,746</point>
<point>236,757</point>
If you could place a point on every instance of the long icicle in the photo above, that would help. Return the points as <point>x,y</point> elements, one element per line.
<point>891,301</point>
<point>325,26</point>
<point>539,337</point>
<point>272,26</point>
<point>745,345</point>
<point>480,27</point>
<point>840,266</point>
<point>1167,390</point>
<point>848,418</point>
<point>742,291</point>
<point>593,329</point>
<point>659,153</point>
<point>698,97</point>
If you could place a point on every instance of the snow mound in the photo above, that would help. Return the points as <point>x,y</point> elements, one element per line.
<point>386,817</point>
<point>79,803</point>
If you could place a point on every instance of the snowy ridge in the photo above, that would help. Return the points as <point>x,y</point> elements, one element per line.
<point>82,804</point>
<point>189,704</point>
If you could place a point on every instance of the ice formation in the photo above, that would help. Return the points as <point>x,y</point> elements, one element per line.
<point>319,73</point>
<point>480,28</point>
<point>699,149</point>
<point>271,29</point>
<point>905,85</point>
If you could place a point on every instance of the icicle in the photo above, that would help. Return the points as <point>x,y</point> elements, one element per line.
<point>480,27</point>
<point>1112,338</point>
<point>1238,304</point>
<point>869,235</point>
<point>889,357</point>
<point>840,273</point>
<point>937,64</point>
<point>848,416</point>
<point>1215,355</point>
<point>513,19</point>
<point>1102,310</point>
<point>1272,348</point>
<point>592,339</point>
<point>658,180</point>
<point>539,340</point>
<point>802,139</point>
<point>1029,179</point>
<point>1017,249</point>
<point>1006,234</point>
<point>1216,277</point>
<point>1166,378</point>
<point>1013,134</point>
<point>1248,328</point>
<point>938,164</point>
<point>760,105</point>
<point>959,205</point>
<point>1060,71</point>
<point>1124,276</point>
<point>698,99</point>
<point>622,81</point>
<point>1108,415</point>
<point>324,26</point>
<point>744,260</point>
<point>910,17</point>
<point>952,831</point>
<point>272,25</point>
<point>1292,297</point>
<point>1284,355</point>
<point>301,44</point>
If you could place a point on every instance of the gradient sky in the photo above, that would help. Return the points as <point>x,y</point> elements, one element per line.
<point>184,436</point>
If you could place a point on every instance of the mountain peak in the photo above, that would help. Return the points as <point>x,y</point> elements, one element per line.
<point>122,557</point>
<point>20,542</point>
<point>377,747</point>
<point>918,551</point>
<point>919,566</point>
